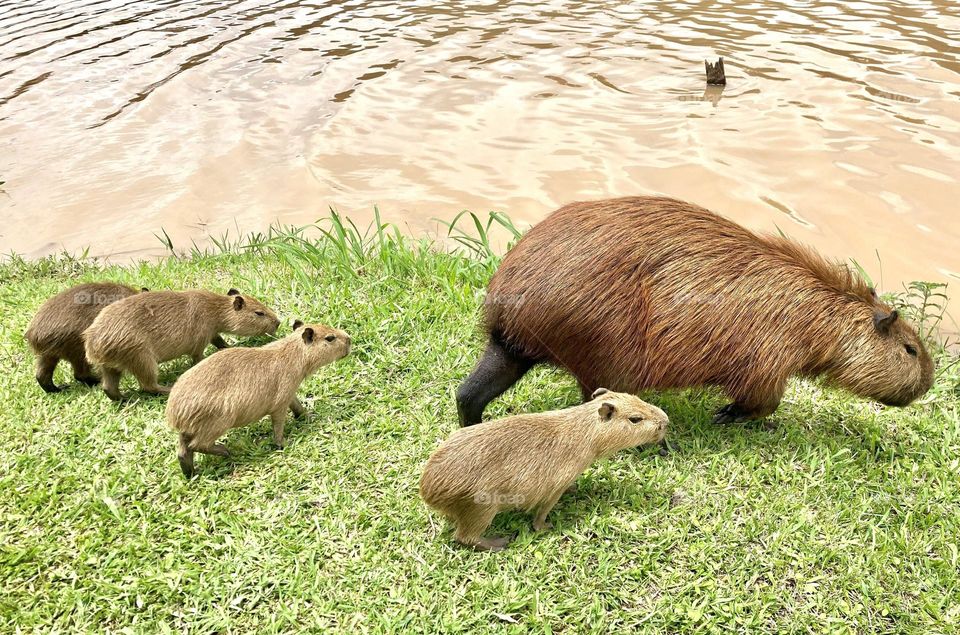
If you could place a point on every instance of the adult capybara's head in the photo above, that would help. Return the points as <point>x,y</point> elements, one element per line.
<point>883,358</point>
<point>320,344</point>
<point>249,317</point>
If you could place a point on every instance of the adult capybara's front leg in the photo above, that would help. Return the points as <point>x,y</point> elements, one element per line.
<point>496,371</point>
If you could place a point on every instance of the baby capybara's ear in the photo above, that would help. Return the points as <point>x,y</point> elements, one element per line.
<point>233,291</point>
<point>598,392</point>
<point>606,410</point>
<point>238,302</point>
<point>297,324</point>
<point>142,289</point>
<point>308,335</point>
<point>884,322</point>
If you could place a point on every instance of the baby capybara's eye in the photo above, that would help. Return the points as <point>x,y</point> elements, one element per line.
<point>260,313</point>
<point>636,419</point>
<point>330,337</point>
<point>910,350</point>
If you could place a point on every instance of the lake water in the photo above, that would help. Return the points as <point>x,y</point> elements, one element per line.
<point>840,123</point>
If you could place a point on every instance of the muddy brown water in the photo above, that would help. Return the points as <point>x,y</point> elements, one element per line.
<point>840,123</point>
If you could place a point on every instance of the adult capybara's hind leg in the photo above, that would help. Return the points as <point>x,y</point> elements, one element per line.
<point>496,371</point>
<point>751,400</point>
<point>46,364</point>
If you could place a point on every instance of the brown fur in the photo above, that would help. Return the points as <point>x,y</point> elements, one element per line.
<point>527,461</point>
<point>645,292</point>
<point>138,332</point>
<point>241,385</point>
<point>56,331</point>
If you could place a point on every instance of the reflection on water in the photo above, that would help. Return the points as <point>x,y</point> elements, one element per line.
<point>840,122</point>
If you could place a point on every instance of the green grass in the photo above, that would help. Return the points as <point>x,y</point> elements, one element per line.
<point>838,515</point>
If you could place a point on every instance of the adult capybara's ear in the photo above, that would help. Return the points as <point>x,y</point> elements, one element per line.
<point>606,410</point>
<point>238,302</point>
<point>598,392</point>
<point>233,292</point>
<point>143,289</point>
<point>884,322</point>
<point>308,335</point>
<point>297,324</point>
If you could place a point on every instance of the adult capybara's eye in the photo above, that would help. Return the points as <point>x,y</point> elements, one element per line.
<point>330,337</point>
<point>911,350</point>
<point>260,313</point>
<point>636,419</point>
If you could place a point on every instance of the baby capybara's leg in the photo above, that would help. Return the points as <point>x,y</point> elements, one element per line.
<point>214,449</point>
<point>472,520</point>
<point>496,371</point>
<point>46,364</point>
<point>186,449</point>
<point>297,408</point>
<point>82,371</point>
<point>279,418</point>
<point>111,382</point>
<point>540,520</point>
<point>751,401</point>
<point>185,455</point>
<point>144,368</point>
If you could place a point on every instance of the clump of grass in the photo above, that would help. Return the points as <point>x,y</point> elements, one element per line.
<point>476,238</point>
<point>838,516</point>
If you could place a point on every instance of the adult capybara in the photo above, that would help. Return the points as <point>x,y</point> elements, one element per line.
<point>136,333</point>
<point>527,461</point>
<point>242,385</point>
<point>648,292</point>
<point>56,331</point>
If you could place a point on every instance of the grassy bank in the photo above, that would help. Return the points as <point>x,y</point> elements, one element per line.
<point>837,515</point>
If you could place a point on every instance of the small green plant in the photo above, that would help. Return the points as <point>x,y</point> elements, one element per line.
<point>479,245</point>
<point>164,238</point>
<point>924,304</point>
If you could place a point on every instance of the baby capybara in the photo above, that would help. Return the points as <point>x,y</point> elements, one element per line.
<point>527,461</point>
<point>241,385</point>
<point>645,292</point>
<point>56,331</point>
<point>138,332</point>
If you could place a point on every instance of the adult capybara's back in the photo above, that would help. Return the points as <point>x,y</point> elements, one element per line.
<point>646,292</point>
